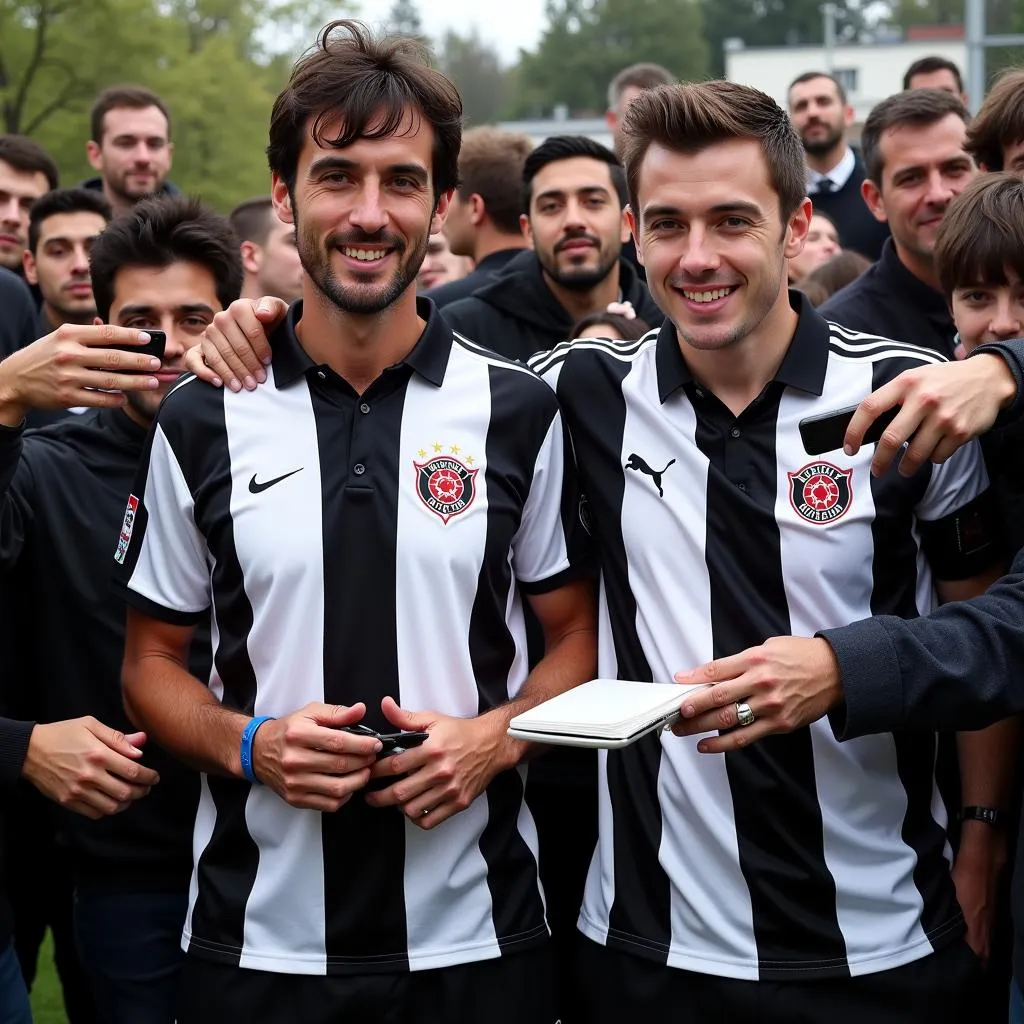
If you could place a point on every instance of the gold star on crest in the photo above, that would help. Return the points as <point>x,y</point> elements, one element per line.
<point>469,460</point>
<point>422,453</point>
<point>437,447</point>
<point>455,449</point>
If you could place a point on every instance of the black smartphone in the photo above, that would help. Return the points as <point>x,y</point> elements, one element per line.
<point>154,347</point>
<point>825,432</point>
<point>394,742</point>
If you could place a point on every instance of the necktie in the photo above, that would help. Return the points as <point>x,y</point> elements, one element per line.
<point>826,185</point>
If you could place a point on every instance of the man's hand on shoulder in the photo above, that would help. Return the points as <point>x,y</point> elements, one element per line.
<point>87,767</point>
<point>944,406</point>
<point>75,365</point>
<point>235,347</point>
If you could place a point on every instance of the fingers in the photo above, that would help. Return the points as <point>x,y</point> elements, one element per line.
<point>104,336</point>
<point>868,411</point>
<point>335,716</point>
<point>195,363</point>
<point>409,721</point>
<point>921,449</point>
<point>86,382</point>
<point>735,739</point>
<point>117,741</point>
<point>230,346</point>
<point>219,354</point>
<point>711,708</point>
<point>405,790</point>
<point>324,792</point>
<point>316,762</point>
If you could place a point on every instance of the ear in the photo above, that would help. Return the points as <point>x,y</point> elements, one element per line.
<point>625,227</point>
<point>612,120</point>
<point>527,230</point>
<point>634,230</point>
<point>170,153</point>
<point>848,115</point>
<point>797,228</point>
<point>92,153</point>
<point>28,262</point>
<point>477,209</point>
<point>282,200</point>
<point>872,195</point>
<point>252,257</point>
<point>444,204</point>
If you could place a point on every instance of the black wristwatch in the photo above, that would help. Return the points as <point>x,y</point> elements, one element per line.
<point>989,815</point>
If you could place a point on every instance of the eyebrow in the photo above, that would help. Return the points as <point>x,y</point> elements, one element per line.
<point>189,307</point>
<point>65,240</point>
<point>667,210</point>
<point>340,163</point>
<point>585,190</point>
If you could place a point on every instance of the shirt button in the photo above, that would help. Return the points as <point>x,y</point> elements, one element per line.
<point>364,408</point>
<point>321,374</point>
<point>700,393</point>
<point>359,469</point>
<point>735,432</point>
<point>742,487</point>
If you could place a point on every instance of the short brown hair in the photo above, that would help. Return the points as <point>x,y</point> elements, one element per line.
<point>363,81</point>
<point>251,219</point>
<point>637,76</point>
<point>916,107</point>
<point>837,271</point>
<point>982,234</point>
<point>117,97</point>
<point>491,166</point>
<point>1000,121</point>
<point>928,66</point>
<point>26,155</point>
<point>689,118</point>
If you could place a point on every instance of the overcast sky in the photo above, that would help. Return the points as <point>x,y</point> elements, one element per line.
<point>507,25</point>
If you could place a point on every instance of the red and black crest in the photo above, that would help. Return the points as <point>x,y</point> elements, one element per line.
<point>821,492</point>
<point>445,485</point>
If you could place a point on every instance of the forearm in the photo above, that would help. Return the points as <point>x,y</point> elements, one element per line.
<point>182,715</point>
<point>988,759</point>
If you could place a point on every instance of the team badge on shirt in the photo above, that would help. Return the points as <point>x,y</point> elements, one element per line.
<point>126,529</point>
<point>444,483</point>
<point>821,492</point>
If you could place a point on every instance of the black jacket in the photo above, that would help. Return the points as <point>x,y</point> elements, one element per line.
<point>482,274</point>
<point>517,314</point>
<point>17,314</point>
<point>888,300</point>
<point>64,490</point>
<point>168,188</point>
<point>858,230</point>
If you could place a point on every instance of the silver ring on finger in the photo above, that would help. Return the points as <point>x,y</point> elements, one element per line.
<point>425,811</point>
<point>744,715</point>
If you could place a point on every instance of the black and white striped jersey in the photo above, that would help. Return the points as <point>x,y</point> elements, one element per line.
<point>350,547</point>
<point>798,857</point>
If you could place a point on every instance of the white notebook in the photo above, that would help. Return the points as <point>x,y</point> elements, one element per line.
<point>602,713</point>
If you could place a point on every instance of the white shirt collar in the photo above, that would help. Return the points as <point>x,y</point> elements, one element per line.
<point>840,174</point>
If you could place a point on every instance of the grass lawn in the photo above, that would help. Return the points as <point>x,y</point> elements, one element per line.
<point>47,1002</point>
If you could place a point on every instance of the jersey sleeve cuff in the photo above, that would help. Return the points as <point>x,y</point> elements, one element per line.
<point>869,669</point>
<point>160,612</point>
<point>571,574</point>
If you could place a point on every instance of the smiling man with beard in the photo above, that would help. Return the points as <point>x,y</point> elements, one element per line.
<point>575,192</point>
<point>821,115</point>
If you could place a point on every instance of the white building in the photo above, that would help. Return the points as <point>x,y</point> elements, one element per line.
<point>595,128</point>
<point>869,72</point>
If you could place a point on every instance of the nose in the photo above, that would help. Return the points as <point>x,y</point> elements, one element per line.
<point>80,260</point>
<point>699,259</point>
<point>10,212</point>
<point>1007,320</point>
<point>574,215</point>
<point>939,191</point>
<point>368,214</point>
<point>178,341</point>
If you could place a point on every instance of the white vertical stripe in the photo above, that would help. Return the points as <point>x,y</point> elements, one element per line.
<point>271,433</point>
<point>447,899</point>
<point>827,570</point>
<point>202,833</point>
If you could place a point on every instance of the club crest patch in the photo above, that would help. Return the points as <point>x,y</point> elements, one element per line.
<point>821,492</point>
<point>445,484</point>
<point>126,529</point>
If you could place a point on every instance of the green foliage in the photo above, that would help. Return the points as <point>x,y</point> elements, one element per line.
<point>588,41</point>
<point>476,69</point>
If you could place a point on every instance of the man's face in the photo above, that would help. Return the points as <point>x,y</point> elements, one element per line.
<point>60,265</point>
<point>440,265</point>
<point>280,271</point>
<point>575,222</point>
<point>924,169</point>
<point>821,245</point>
<point>614,116</point>
<point>18,191</point>
<point>134,155</point>
<point>712,240</point>
<point>985,313</point>
<point>458,227</point>
<point>943,79</point>
<point>818,115</point>
<point>180,299</point>
<point>1013,157</point>
<point>364,215</point>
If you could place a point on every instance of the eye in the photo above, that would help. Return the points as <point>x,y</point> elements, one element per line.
<point>403,182</point>
<point>735,223</point>
<point>195,323</point>
<point>141,323</point>
<point>665,224</point>
<point>975,296</point>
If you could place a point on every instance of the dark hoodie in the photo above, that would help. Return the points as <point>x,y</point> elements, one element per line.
<point>518,314</point>
<point>96,184</point>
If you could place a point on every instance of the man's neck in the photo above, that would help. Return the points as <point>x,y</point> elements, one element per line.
<point>580,304</point>
<point>251,288</point>
<point>118,203</point>
<point>357,348</point>
<point>922,267</point>
<point>738,374</point>
<point>55,319</point>
<point>488,241</point>
<point>826,162</point>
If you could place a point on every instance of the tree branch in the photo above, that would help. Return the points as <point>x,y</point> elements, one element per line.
<point>53,106</point>
<point>17,107</point>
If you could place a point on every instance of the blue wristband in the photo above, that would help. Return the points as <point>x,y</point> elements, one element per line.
<point>245,754</point>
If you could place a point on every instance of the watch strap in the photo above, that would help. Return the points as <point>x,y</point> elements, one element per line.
<point>989,815</point>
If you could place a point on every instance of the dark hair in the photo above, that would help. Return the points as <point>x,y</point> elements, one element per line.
<point>928,66</point>
<point>565,147</point>
<point>159,232</point>
<point>491,166</point>
<point>628,330</point>
<point>982,233</point>
<point>251,219</point>
<point>64,200</point>
<point>368,85</point>
<point>809,76</point>
<point>917,107</point>
<point>690,118</point>
<point>815,291</point>
<point>1000,121</point>
<point>119,97</point>
<point>837,272</point>
<point>26,155</point>
<point>637,76</point>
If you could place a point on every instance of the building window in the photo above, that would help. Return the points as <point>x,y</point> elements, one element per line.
<point>847,78</point>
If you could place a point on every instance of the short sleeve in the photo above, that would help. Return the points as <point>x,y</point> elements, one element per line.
<point>161,556</point>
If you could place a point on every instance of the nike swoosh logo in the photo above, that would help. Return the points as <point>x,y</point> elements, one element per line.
<point>256,488</point>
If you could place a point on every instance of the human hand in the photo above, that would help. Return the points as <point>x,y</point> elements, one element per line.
<point>977,872</point>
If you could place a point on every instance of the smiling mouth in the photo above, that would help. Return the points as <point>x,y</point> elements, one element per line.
<point>708,295</point>
<point>364,255</point>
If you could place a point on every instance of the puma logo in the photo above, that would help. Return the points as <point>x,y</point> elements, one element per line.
<point>635,462</point>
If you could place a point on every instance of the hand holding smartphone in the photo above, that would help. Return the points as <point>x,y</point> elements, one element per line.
<point>826,432</point>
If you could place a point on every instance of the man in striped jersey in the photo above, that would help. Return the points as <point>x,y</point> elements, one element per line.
<point>799,879</point>
<point>361,531</point>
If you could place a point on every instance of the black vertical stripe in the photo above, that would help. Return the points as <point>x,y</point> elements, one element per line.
<point>642,904</point>
<point>226,871</point>
<point>511,868</point>
<point>894,592</point>
<point>775,803</point>
<point>363,846</point>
